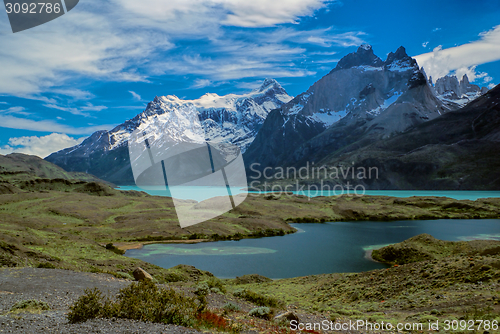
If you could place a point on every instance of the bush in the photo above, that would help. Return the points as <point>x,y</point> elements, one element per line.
<point>215,285</point>
<point>114,249</point>
<point>258,299</point>
<point>145,302</point>
<point>31,305</point>
<point>139,301</point>
<point>123,275</point>
<point>262,312</point>
<point>211,320</point>
<point>230,306</point>
<point>46,265</point>
<point>88,306</point>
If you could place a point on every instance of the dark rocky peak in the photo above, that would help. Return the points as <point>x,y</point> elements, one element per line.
<point>464,81</point>
<point>363,56</point>
<point>399,55</point>
<point>418,79</point>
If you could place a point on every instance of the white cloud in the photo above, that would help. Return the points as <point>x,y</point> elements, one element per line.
<point>82,111</point>
<point>15,110</point>
<point>135,95</point>
<point>80,43</point>
<point>240,13</point>
<point>425,44</point>
<point>12,122</point>
<point>462,59</point>
<point>201,83</point>
<point>123,40</point>
<point>265,13</point>
<point>76,94</point>
<point>40,146</point>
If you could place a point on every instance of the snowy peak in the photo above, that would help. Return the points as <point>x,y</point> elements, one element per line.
<point>364,56</point>
<point>230,118</point>
<point>270,84</point>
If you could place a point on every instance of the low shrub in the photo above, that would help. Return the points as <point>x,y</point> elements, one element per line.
<point>211,320</point>
<point>46,265</point>
<point>32,305</point>
<point>262,312</point>
<point>88,306</point>
<point>231,307</point>
<point>258,299</point>
<point>142,301</point>
<point>215,285</point>
<point>123,275</point>
<point>114,249</point>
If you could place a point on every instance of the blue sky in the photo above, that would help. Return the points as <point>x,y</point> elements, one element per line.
<point>101,63</point>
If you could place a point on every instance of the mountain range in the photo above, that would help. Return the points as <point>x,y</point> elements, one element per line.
<point>344,119</point>
<point>231,118</point>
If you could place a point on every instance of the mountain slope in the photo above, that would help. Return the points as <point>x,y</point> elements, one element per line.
<point>229,119</point>
<point>361,100</point>
<point>17,167</point>
<point>458,150</point>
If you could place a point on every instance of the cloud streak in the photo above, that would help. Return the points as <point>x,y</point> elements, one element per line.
<point>462,59</point>
<point>12,122</point>
<point>39,146</point>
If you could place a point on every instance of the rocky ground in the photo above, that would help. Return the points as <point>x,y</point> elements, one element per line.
<point>60,289</point>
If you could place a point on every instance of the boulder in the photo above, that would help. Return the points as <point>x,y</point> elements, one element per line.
<point>289,315</point>
<point>140,274</point>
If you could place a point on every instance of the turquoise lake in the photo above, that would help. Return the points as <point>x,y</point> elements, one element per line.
<point>199,193</point>
<point>315,249</point>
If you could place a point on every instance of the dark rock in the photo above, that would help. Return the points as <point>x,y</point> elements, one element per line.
<point>288,316</point>
<point>140,274</point>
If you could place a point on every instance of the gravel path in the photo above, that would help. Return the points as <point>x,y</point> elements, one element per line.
<point>60,289</point>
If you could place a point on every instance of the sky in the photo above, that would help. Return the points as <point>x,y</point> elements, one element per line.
<point>101,63</point>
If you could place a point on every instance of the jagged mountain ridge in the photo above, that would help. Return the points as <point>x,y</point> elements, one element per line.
<point>457,151</point>
<point>361,100</point>
<point>230,119</point>
<point>452,91</point>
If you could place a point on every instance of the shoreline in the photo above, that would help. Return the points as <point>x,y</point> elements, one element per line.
<point>125,246</point>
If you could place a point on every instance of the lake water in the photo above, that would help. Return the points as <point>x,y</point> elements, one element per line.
<point>315,249</point>
<point>200,193</point>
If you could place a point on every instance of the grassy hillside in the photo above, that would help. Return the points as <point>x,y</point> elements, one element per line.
<point>16,167</point>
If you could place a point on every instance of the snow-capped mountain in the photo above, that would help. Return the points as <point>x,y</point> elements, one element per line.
<point>363,99</point>
<point>231,118</point>
<point>361,88</point>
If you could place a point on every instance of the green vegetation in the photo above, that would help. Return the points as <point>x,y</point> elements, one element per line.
<point>139,301</point>
<point>262,312</point>
<point>258,299</point>
<point>231,307</point>
<point>29,306</point>
<point>145,301</point>
<point>425,247</point>
<point>66,223</point>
